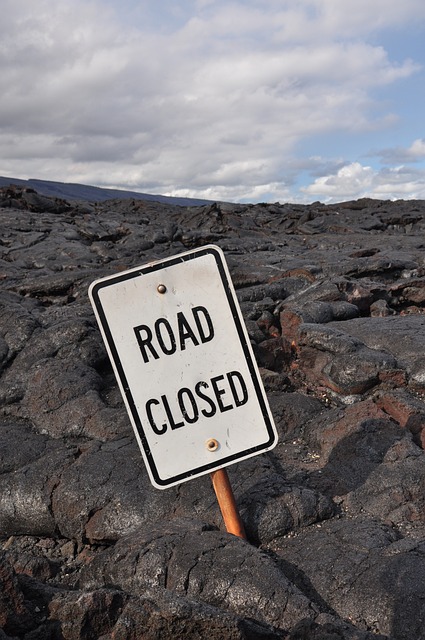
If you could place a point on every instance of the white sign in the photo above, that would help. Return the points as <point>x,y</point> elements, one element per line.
<point>183,360</point>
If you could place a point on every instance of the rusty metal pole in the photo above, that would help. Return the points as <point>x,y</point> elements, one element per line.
<point>227,503</point>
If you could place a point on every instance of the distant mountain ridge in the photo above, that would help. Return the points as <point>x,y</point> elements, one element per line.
<point>88,193</point>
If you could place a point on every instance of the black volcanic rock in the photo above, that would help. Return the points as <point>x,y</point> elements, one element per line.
<point>333,297</point>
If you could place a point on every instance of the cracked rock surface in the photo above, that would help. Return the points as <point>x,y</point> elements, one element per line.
<point>333,297</point>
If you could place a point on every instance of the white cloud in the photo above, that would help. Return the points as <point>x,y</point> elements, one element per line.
<point>214,102</point>
<point>414,153</point>
<point>353,17</point>
<point>357,181</point>
<point>417,149</point>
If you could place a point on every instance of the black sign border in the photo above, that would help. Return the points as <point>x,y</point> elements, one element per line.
<point>228,288</point>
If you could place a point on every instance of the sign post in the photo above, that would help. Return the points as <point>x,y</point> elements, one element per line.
<point>227,503</point>
<point>182,357</point>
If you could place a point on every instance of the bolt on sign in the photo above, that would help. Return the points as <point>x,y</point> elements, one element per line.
<point>184,364</point>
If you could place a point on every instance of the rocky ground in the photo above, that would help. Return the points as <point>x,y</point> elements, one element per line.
<point>333,298</point>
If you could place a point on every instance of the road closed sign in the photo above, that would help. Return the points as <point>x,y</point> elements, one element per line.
<point>183,361</point>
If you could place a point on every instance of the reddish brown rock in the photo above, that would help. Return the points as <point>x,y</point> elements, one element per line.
<point>343,364</point>
<point>408,410</point>
<point>15,616</point>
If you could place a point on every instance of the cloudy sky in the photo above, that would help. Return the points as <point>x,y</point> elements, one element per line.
<point>249,100</point>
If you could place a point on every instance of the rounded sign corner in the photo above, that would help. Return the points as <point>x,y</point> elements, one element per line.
<point>274,439</point>
<point>93,290</point>
<point>214,248</point>
<point>161,485</point>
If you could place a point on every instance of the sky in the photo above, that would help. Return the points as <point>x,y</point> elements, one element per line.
<point>241,101</point>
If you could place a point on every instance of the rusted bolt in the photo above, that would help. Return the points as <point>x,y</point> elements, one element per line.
<point>212,444</point>
<point>161,288</point>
